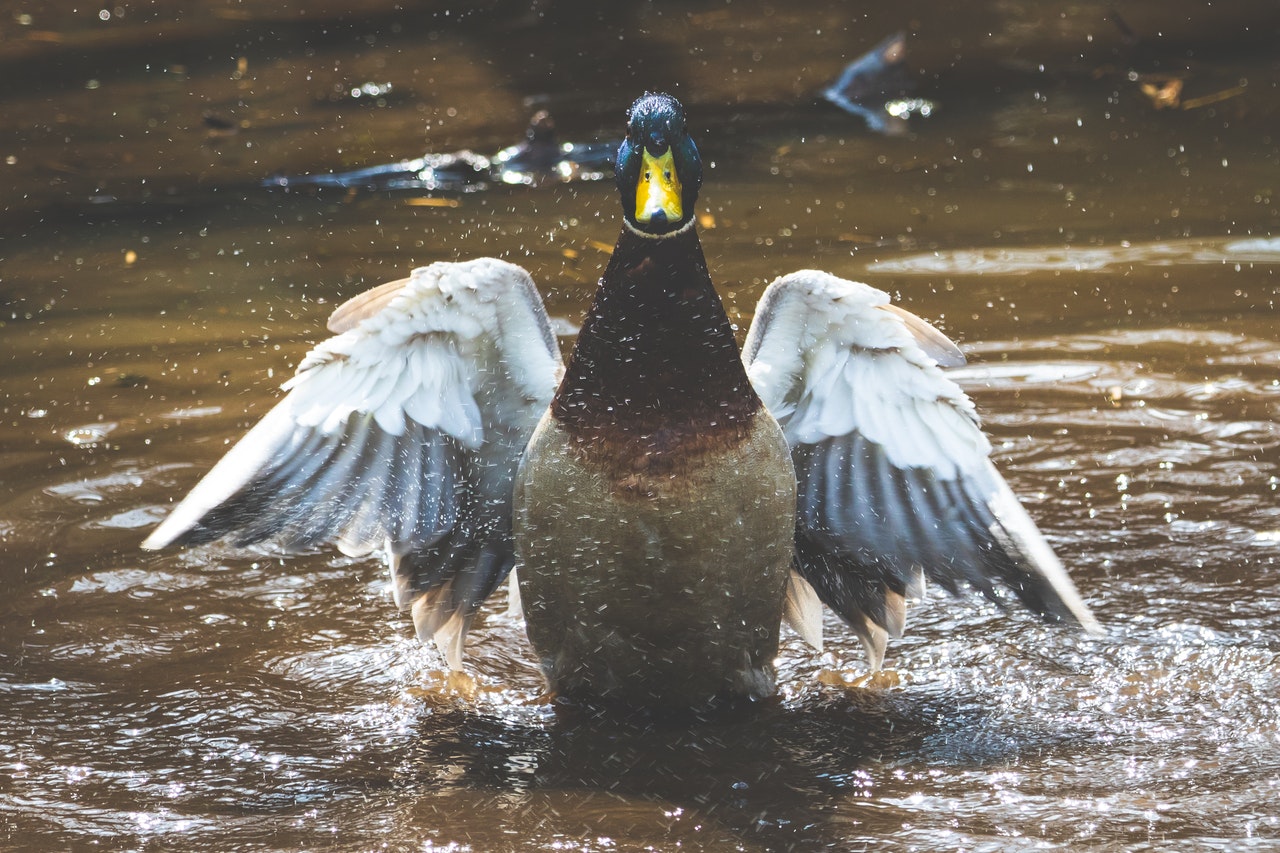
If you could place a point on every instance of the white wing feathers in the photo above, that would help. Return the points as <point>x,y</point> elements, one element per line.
<point>826,362</point>
<point>401,432</point>
<point>894,478</point>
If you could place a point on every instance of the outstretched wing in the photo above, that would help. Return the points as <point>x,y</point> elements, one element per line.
<point>402,432</point>
<point>895,483</point>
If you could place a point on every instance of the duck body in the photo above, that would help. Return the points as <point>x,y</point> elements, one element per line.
<point>655,504</point>
<point>658,590</point>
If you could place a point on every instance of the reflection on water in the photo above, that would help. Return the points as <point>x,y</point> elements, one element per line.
<point>1109,267</point>
<point>1057,259</point>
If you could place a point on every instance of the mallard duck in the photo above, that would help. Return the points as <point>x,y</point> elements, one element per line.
<point>666,498</point>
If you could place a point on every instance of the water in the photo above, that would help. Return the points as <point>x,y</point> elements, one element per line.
<point>1110,269</point>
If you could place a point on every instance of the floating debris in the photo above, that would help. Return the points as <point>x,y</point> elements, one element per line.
<point>218,126</point>
<point>90,434</point>
<point>1164,92</point>
<point>876,88</point>
<point>538,158</point>
<point>459,170</point>
<point>367,93</point>
<point>1213,98</point>
<point>371,90</point>
<point>431,201</point>
<point>904,108</point>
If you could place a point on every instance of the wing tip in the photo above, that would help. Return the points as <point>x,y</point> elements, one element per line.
<point>165,534</point>
<point>434,621</point>
<point>803,610</point>
<point>944,351</point>
<point>1079,615</point>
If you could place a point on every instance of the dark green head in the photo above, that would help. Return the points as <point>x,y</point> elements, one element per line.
<point>659,171</point>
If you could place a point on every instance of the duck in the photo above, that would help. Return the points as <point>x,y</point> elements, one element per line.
<point>662,502</point>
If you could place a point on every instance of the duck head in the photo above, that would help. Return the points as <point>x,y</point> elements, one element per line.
<point>658,169</point>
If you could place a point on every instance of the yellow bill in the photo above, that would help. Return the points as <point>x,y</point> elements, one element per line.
<point>658,190</point>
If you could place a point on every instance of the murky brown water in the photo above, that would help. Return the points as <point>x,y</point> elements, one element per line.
<point>1111,269</point>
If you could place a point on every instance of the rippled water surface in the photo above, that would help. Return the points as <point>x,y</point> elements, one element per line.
<point>1109,267</point>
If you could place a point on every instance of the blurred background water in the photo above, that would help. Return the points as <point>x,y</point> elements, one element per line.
<point>1090,208</point>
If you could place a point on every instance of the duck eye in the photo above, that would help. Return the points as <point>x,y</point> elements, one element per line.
<point>646,176</point>
<point>667,174</point>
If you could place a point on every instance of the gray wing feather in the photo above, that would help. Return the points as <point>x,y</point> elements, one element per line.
<point>403,432</point>
<point>895,483</point>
